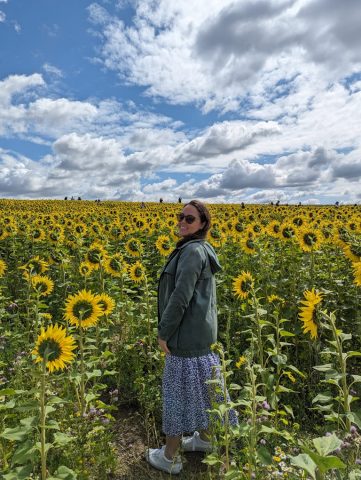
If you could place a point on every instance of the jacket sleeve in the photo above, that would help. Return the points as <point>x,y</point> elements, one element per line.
<point>188,271</point>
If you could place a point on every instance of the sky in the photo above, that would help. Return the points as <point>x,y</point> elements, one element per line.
<point>252,101</point>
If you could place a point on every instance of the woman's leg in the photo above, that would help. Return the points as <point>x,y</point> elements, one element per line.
<point>171,446</point>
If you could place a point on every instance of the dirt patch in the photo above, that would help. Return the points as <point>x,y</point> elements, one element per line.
<point>131,441</point>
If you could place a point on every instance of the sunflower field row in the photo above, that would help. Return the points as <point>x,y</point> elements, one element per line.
<point>78,336</point>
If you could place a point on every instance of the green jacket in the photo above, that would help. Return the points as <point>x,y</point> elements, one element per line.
<point>187,308</point>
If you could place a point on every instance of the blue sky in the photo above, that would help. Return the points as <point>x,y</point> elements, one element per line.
<point>227,101</point>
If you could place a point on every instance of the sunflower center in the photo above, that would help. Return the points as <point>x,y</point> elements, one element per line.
<point>134,247</point>
<point>115,264</point>
<point>82,309</point>
<point>250,244</point>
<point>138,272</point>
<point>49,350</point>
<point>309,239</point>
<point>41,287</point>
<point>246,285</point>
<point>94,256</point>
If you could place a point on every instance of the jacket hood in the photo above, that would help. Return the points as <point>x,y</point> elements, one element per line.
<point>213,259</point>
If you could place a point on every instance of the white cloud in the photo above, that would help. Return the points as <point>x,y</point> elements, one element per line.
<point>2,17</point>
<point>216,52</point>
<point>52,70</point>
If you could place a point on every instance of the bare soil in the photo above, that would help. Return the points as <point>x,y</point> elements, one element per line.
<point>131,440</point>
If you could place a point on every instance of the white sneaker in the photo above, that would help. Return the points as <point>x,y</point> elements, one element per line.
<point>195,444</point>
<point>157,458</point>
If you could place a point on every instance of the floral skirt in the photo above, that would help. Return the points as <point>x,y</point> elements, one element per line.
<point>187,396</point>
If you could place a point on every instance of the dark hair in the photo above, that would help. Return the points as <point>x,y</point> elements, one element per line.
<point>204,216</point>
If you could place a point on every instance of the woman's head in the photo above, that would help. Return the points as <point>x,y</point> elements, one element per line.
<point>195,220</point>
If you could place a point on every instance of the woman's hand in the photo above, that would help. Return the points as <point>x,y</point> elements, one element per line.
<point>163,345</point>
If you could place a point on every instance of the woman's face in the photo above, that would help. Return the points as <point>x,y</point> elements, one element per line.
<point>185,228</point>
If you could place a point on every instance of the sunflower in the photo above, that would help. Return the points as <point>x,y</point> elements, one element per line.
<point>248,245</point>
<point>80,229</point>
<point>38,234</point>
<point>356,266</point>
<point>308,311</point>
<point>35,266</point>
<point>83,309</point>
<point>273,228</point>
<point>86,269</point>
<point>114,265</point>
<point>287,231</point>
<point>3,232</point>
<point>134,247</point>
<point>54,347</point>
<point>137,272</point>
<point>3,267</point>
<point>309,239</point>
<point>243,284</point>
<point>274,298</point>
<point>163,244</point>
<point>42,284</point>
<point>96,254</point>
<point>352,252</point>
<point>241,361</point>
<point>56,234</point>
<point>106,303</point>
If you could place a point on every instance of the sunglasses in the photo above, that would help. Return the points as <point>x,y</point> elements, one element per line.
<point>188,218</point>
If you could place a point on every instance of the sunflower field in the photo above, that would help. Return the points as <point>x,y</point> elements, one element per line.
<point>78,337</point>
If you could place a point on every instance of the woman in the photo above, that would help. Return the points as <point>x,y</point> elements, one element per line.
<point>187,328</point>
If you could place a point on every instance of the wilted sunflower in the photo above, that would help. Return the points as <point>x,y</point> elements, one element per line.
<point>137,272</point>
<point>357,273</point>
<point>308,311</point>
<point>42,284</point>
<point>106,303</point>
<point>134,247</point>
<point>83,309</point>
<point>55,347</point>
<point>243,284</point>
<point>114,265</point>
<point>3,267</point>
<point>163,244</point>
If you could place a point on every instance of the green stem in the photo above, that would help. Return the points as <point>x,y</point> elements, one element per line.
<point>42,421</point>
<point>82,370</point>
<point>226,415</point>
<point>342,362</point>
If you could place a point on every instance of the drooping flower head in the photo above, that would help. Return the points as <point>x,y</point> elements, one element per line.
<point>54,347</point>
<point>243,284</point>
<point>308,312</point>
<point>83,309</point>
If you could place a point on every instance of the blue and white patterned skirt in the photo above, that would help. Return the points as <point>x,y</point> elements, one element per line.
<point>187,396</point>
